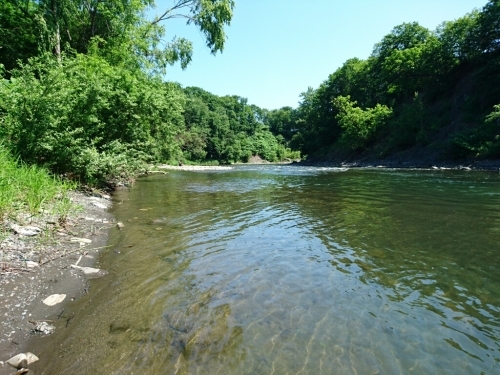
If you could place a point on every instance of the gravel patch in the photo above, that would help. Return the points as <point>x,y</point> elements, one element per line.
<point>37,261</point>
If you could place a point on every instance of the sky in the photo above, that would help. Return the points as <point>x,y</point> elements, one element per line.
<point>276,49</point>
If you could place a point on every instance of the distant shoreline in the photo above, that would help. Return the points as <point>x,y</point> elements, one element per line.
<point>417,163</point>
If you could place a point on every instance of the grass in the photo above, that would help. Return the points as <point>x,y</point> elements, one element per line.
<point>30,190</point>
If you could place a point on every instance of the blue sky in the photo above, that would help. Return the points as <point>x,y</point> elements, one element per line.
<point>276,49</point>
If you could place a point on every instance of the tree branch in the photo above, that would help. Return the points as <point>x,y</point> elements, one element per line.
<point>167,14</point>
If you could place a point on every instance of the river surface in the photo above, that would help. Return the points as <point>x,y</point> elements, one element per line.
<point>294,270</point>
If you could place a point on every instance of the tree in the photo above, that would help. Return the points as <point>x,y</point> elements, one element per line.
<point>459,38</point>
<point>358,125</point>
<point>489,21</point>
<point>119,28</point>
<point>19,30</point>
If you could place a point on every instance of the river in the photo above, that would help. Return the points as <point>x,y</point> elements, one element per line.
<point>294,270</point>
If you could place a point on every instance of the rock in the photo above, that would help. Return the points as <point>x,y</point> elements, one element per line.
<point>22,360</point>
<point>26,231</point>
<point>120,225</point>
<point>31,264</point>
<point>44,327</point>
<point>54,299</point>
<point>87,270</point>
<point>81,240</point>
<point>100,205</point>
<point>161,220</point>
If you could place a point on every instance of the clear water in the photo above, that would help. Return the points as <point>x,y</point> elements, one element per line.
<point>294,270</point>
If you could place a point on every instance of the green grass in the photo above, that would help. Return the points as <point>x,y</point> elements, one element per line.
<point>30,189</point>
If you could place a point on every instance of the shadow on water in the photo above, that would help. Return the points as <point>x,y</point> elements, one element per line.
<point>282,270</point>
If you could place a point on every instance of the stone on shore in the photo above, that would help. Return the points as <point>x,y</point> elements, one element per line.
<point>26,231</point>
<point>54,299</point>
<point>44,327</point>
<point>22,360</point>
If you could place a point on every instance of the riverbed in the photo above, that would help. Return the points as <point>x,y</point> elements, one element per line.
<point>293,270</point>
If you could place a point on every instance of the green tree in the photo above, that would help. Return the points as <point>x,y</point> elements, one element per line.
<point>359,126</point>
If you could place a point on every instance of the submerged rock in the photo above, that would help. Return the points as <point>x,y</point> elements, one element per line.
<point>90,271</point>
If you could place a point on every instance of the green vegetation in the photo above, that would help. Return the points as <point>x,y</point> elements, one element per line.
<point>420,92</point>
<point>227,129</point>
<point>30,189</point>
<point>83,93</point>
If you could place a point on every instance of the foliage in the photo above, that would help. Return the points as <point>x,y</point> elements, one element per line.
<point>122,28</point>
<point>418,89</point>
<point>84,94</point>
<point>88,119</point>
<point>226,129</point>
<point>358,125</point>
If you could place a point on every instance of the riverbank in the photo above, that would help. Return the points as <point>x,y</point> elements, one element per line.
<point>194,167</point>
<point>418,160</point>
<point>36,266</point>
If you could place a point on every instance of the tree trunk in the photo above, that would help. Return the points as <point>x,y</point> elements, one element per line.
<point>57,47</point>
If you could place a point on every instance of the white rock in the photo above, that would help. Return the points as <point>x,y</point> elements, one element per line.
<point>44,327</point>
<point>81,240</point>
<point>22,360</point>
<point>100,205</point>
<point>31,264</point>
<point>120,225</point>
<point>25,231</point>
<point>87,270</point>
<point>54,299</point>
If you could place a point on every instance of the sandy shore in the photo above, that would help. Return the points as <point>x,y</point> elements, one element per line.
<point>33,268</point>
<point>194,167</point>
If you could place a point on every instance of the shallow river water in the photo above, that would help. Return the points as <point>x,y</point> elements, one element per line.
<point>294,270</point>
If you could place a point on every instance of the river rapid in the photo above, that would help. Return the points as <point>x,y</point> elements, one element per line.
<point>293,270</point>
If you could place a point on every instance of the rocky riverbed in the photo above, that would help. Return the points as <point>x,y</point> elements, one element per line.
<point>44,261</point>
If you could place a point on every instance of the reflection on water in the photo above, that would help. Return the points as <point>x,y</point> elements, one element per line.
<point>284,270</point>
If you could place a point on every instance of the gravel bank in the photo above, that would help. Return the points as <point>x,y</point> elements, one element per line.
<point>34,267</point>
<point>194,167</point>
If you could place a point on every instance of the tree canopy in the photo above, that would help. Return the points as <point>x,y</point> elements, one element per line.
<point>427,91</point>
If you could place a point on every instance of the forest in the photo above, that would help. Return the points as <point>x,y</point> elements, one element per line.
<point>84,92</point>
<point>421,95</point>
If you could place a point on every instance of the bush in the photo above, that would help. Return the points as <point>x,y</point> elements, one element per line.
<point>87,119</point>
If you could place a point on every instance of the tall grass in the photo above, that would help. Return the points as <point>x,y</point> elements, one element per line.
<point>30,189</point>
